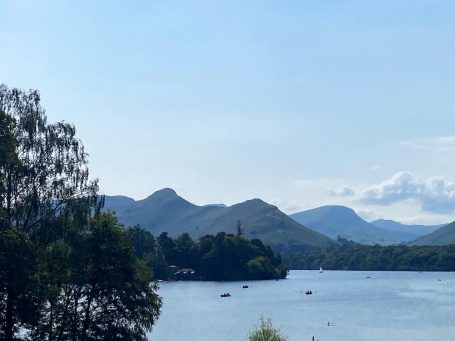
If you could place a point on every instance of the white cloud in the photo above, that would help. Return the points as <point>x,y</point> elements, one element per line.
<point>343,191</point>
<point>368,215</point>
<point>287,207</point>
<point>439,144</point>
<point>434,194</point>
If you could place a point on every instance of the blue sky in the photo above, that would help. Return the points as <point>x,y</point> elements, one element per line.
<point>300,103</point>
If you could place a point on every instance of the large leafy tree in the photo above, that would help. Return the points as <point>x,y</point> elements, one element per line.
<point>43,173</point>
<point>19,297</point>
<point>44,165</point>
<point>101,291</point>
<point>87,283</point>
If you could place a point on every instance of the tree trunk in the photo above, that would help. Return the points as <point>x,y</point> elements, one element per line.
<point>9,191</point>
<point>62,326</point>
<point>9,323</point>
<point>87,315</point>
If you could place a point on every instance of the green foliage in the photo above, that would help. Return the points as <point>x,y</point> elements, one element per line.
<point>45,165</point>
<point>143,242</point>
<point>266,332</point>
<point>19,289</point>
<point>352,256</point>
<point>67,271</point>
<point>96,287</point>
<point>223,257</point>
<point>238,228</point>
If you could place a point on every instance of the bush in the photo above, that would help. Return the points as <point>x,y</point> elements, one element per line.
<point>266,332</point>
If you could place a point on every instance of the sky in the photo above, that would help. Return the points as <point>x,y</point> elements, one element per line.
<point>300,103</point>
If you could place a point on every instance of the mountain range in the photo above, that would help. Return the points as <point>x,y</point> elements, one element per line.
<point>334,221</point>
<point>409,232</point>
<point>166,211</point>
<point>442,236</point>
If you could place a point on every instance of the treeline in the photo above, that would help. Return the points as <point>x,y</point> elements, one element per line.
<point>224,257</point>
<point>67,271</point>
<point>353,256</point>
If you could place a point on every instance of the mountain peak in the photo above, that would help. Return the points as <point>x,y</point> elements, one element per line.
<point>164,210</point>
<point>336,220</point>
<point>164,193</point>
<point>338,208</point>
<point>256,202</point>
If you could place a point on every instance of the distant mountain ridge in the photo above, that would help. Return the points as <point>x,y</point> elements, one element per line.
<point>411,232</point>
<point>165,211</point>
<point>443,236</point>
<point>335,220</point>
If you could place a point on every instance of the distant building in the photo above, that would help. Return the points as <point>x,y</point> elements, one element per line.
<point>181,274</point>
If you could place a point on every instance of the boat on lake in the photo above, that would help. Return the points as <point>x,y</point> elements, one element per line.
<point>320,270</point>
<point>226,294</point>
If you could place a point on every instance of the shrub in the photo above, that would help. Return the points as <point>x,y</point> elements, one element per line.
<point>266,332</point>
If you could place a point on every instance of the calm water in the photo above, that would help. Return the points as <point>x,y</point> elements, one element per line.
<point>387,306</point>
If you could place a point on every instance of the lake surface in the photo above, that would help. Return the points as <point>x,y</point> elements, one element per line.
<point>388,306</point>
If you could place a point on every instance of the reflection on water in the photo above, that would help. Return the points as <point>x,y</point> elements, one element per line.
<point>388,305</point>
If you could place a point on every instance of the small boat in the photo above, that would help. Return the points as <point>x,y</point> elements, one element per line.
<point>320,270</point>
<point>245,287</point>
<point>226,294</point>
<point>308,292</point>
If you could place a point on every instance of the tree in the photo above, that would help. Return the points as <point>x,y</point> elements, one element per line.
<point>68,271</point>
<point>102,290</point>
<point>146,249</point>
<point>143,241</point>
<point>166,245</point>
<point>19,290</point>
<point>238,228</point>
<point>43,173</point>
<point>45,164</point>
<point>183,251</point>
<point>266,332</point>
<point>117,298</point>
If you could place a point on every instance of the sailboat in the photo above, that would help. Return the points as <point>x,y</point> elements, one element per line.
<point>320,270</point>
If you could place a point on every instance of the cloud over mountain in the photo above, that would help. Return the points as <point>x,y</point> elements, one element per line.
<point>344,191</point>
<point>434,194</point>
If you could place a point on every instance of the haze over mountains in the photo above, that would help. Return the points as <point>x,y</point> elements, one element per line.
<point>165,211</point>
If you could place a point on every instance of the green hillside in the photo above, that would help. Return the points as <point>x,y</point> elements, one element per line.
<point>442,236</point>
<point>165,211</point>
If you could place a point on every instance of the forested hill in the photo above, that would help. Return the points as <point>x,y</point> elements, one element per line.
<point>224,257</point>
<point>352,256</point>
<point>165,211</point>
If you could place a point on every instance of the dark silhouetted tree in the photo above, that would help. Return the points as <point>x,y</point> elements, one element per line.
<point>238,228</point>
<point>67,272</point>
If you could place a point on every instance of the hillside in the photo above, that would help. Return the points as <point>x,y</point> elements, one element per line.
<point>334,221</point>
<point>442,236</point>
<point>165,211</point>
<point>117,202</point>
<point>408,232</point>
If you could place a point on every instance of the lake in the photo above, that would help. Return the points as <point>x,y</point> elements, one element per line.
<point>387,306</point>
